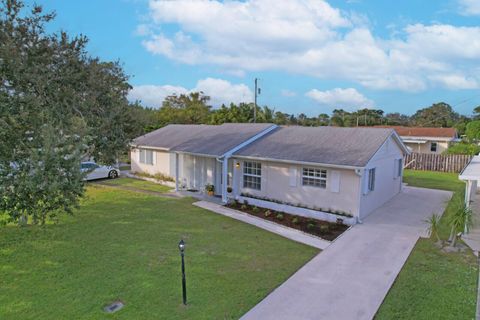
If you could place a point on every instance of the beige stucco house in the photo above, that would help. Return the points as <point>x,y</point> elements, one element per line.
<point>322,172</point>
<point>426,140</point>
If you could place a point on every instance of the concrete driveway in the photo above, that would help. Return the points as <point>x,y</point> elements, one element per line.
<point>350,278</point>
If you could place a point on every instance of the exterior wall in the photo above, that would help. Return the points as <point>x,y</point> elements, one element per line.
<point>425,147</point>
<point>163,162</point>
<point>387,185</point>
<point>283,182</point>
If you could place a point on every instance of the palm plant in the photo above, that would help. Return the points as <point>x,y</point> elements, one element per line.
<point>433,225</point>
<point>460,221</point>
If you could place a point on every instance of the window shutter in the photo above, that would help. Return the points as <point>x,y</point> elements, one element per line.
<point>334,181</point>
<point>293,176</point>
<point>365,181</point>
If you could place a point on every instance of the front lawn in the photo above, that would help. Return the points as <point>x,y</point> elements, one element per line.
<point>137,184</point>
<point>122,245</point>
<point>434,284</point>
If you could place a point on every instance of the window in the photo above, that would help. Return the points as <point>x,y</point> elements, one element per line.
<point>371,179</point>
<point>314,177</point>
<point>146,156</point>
<point>252,175</point>
<point>399,167</point>
<point>433,147</point>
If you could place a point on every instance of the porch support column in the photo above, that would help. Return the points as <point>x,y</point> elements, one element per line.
<point>176,171</point>
<point>224,179</point>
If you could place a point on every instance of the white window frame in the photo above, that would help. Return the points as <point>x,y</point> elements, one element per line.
<point>371,179</point>
<point>314,177</point>
<point>252,175</point>
<point>145,153</point>
<point>432,144</point>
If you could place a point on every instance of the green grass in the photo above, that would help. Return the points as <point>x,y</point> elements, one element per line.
<point>138,184</point>
<point>434,284</point>
<point>123,245</point>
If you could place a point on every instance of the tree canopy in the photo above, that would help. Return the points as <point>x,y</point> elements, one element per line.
<point>57,105</point>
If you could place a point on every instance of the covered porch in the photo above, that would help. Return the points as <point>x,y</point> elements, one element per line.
<point>194,172</point>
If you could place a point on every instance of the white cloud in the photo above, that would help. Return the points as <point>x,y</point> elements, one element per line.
<point>469,7</point>
<point>348,98</point>
<point>153,96</point>
<point>219,90</point>
<point>222,91</point>
<point>313,38</point>
<point>288,93</point>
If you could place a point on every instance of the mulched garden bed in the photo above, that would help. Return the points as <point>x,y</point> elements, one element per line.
<point>323,229</point>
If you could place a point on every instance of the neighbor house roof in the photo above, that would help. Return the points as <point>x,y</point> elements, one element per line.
<point>325,145</point>
<point>424,132</point>
<point>212,140</point>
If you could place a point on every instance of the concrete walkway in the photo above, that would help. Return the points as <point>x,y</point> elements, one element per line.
<point>286,232</point>
<point>350,278</point>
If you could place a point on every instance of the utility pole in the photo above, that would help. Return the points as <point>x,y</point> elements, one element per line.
<point>257,92</point>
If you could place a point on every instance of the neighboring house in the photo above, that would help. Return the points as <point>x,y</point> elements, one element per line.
<point>310,171</point>
<point>426,140</point>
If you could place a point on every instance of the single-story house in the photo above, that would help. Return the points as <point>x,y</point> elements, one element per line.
<point>426,140</point>
<point>323,172</point>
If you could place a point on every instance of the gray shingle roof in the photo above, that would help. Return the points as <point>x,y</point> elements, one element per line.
<point>214,140</point>
<point>325,145</point>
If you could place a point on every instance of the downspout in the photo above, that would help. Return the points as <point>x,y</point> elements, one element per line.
<point>359,173</point>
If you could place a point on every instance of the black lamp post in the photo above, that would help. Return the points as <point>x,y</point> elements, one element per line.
<point>181,247</point>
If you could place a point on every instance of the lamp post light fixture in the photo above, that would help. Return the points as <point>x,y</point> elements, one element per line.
<point>181,247</point>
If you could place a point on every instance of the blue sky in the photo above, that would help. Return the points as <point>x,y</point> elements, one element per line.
<point>311,55</point>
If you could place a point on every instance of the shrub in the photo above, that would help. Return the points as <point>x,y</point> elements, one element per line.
<point>310,226</point>
<point>324,228</point>
<point>279,216</point>
<point>209,187</point>
<point>244,207</point>
<point>295,220</point>
<point>255,209</point>
<point>267,213</point>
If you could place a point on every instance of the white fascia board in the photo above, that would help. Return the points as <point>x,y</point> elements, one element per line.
<point>443,139</point>
<point>315,164</point>
<point>195,154</point>
<point>399,140</point>
<point>148,147</point>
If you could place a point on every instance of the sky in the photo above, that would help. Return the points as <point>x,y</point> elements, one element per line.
<point>310,56</point>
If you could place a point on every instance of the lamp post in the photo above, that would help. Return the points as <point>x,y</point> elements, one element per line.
<point>181,247</point>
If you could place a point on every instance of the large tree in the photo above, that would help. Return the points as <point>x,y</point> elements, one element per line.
<point>57,105</point>
<point>437,115</point>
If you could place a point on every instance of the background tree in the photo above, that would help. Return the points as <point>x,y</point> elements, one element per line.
<point>437,115</point>
<point>57,105</point>
<point>473,131</point>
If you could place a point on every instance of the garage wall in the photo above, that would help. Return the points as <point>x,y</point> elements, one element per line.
<point>387,184</point>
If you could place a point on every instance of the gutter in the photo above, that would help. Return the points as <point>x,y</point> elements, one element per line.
<point>316,164</point>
